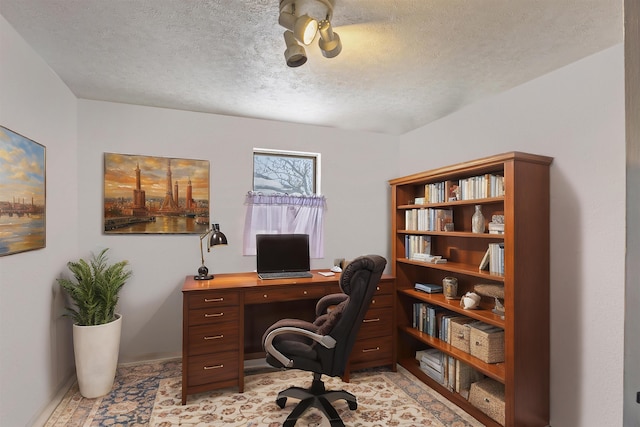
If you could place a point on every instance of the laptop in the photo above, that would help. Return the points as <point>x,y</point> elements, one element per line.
<point>282,256</point>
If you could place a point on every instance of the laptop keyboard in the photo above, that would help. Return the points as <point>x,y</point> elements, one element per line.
<point>286,275</point>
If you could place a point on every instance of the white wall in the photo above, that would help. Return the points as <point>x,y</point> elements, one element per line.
<point>575,115</point>
<point>354,173</point>
<point>36,356</point>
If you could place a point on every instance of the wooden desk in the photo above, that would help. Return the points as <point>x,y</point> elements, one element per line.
<point>224,320</point>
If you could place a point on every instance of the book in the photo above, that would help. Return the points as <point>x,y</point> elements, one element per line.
<point>484,264</point>
<point>429,288</point>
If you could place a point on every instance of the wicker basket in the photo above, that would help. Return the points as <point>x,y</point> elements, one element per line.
<point>486,342</point>
<point>488,396</point>
<point>459,332</point>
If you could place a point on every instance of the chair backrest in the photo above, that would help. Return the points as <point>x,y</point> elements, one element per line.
<point>359,280</point>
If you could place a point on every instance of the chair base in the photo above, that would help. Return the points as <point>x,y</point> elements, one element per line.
<point>315,397</point>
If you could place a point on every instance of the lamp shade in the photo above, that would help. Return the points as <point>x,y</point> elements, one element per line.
<point>217,236</point>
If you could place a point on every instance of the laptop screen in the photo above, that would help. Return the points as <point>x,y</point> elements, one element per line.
<point>276,253</point>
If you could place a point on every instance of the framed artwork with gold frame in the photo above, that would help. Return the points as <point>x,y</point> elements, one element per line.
<point>155,195</point>
<point>22,193</point>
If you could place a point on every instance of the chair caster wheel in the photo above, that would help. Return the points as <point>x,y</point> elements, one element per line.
<point>281,401</point>
<point>353,405</point>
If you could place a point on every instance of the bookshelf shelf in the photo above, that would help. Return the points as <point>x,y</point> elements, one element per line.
<point>455,267</point>
<point>465,234</point>
<point>484,314</point>
<point>518,188</point>
<point>483,201</point>
<point>493,370</point>
<point>412,366</point>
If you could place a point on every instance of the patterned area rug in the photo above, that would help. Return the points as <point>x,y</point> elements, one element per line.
<point>149,395</point>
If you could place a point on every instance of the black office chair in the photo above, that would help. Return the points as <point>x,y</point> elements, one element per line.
<point>323,347</point>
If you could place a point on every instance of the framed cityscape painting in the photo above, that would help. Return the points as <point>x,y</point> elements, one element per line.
<point>22,193</point>
<point>155,195</point>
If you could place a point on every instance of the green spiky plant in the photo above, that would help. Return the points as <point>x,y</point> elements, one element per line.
<point>95,289</point>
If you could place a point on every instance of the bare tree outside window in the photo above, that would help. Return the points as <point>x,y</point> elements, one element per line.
<point>292,173</point>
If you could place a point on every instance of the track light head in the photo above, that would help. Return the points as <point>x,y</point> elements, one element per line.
<point>329,42</point>
<point>304,28</point>
<point>295,54</point>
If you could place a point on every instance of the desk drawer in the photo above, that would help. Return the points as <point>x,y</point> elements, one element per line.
<point>381,301</point>
<point>374,352</point>
<point>378,322</point>
<point>386,287</point>
<point>216,338</point>
<point>213,315</point>
<point>211,368</point>
<point>204,299</point>
<point>290,293</point>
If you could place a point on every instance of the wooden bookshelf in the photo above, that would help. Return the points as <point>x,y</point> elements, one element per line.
<point>523,200</point>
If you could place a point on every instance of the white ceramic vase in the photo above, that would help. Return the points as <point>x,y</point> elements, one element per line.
<point>477,220</point>
<point>96,353</point>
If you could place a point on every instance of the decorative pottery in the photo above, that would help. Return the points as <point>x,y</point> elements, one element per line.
<point>450,287</point>
<point>477,220</point>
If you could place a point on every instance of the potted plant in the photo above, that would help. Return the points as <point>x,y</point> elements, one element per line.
<point>96,325</point>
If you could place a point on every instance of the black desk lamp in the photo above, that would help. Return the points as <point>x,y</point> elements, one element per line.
<point>217,238</point>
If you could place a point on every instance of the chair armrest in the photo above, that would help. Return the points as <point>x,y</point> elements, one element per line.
<point>324,340</point>
<point>327,301</point>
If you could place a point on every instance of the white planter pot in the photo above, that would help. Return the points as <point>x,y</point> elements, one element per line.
<point>96,352</point>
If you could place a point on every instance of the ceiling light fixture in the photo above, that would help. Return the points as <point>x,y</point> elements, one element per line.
<point>303,19</point>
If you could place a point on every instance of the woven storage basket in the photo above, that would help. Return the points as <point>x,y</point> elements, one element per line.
<point>488,396</point>
<point>459,332</point>
<point>486,342</point>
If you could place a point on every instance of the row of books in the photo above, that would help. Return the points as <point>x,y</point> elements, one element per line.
<point>436,192</point>
<point>425,318</point>
<point>453,374</point>
<point>415,246</point>
<point>493,259</point>
<point>481,187</point>
<point>428,219</point>
<point>475,187</point>
<point>433,320</point>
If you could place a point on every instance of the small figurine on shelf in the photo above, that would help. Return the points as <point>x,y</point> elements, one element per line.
<point>499,308</point>
<point>470,301</point>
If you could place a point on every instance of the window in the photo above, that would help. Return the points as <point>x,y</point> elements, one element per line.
<point>285,198</point>
<point>286,172</point>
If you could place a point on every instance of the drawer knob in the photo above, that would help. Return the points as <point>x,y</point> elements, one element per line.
<point>373,301</point>
<point>215,337</point>
<point>206,368</point>
<point>265,296</point>
<point>213,299</point>
<point>214,315</point>
<point>369,350</point>
<point>377,319</point>
<point>377,288</point>
<point>304,292</point>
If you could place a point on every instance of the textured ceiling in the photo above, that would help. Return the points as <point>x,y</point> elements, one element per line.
<point>404,63</point>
